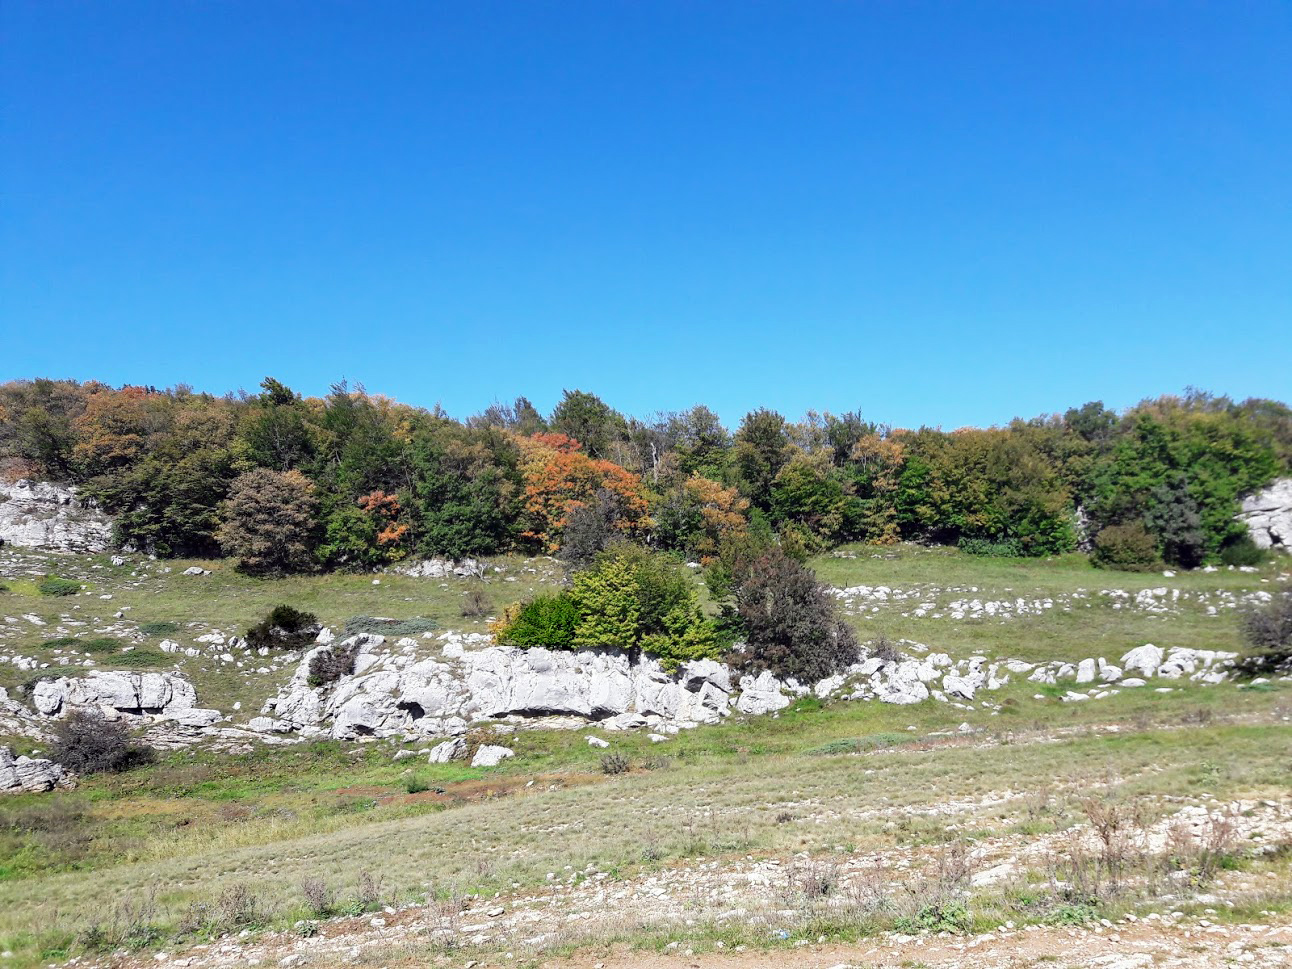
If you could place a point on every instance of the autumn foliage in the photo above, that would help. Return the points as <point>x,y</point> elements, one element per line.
<point>558,478</point>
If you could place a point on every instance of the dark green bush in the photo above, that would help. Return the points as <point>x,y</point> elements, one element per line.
<point>1129,547</point>
<point>789,621</point>
<point>52,585</point>
<point>284,628</point>
<point>546,621</point>
<point>1000,548</point>
<point>1241,550</point>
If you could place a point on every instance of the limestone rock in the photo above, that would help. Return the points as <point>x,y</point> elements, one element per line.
<point>1143,659</point>
<point>165,694</point>
<point>19,775</point>
<point>41,514</point>
<point>491,755</point>
<point>1268,515</point>
<point>448,751</point>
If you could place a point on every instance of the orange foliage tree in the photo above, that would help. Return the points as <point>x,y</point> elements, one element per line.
<point>559,478</point>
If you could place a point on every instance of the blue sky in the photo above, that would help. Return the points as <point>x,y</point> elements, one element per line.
<point>943,213</point>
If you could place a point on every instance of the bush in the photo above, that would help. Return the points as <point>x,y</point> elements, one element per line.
<point>615,764</point>
<point>1000,548</point>
<point>1268,632</point>
<point>546,621</point>
<point>269,521</point>
<point>329,665</point>
<point>788,620</point>
<point>642,601</point>
<point>85,742</point>
<point>284,628</point>
<point>52,585</point>
<point>1129,547</point>
<point>1241,550</point>
<point>476,604</point>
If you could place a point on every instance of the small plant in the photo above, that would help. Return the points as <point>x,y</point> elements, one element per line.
<point>368,893</point>
<point>52,585</point>
<point>885,649</point>
<point>476,605</point>
<point>1071,915</point>
<point>1241,551</point>
<point>415,784</point>
<point>952,917</point>
<point>85,742</point>
<point>284,628</point>
<point>329,665</point>
<point>239,908</point>
<point>319,898</point>
<point>615,763</point>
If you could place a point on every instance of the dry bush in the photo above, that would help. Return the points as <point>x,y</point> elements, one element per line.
<point>369,891</point>
<point>809,881</point>
<point>86,742</point>
<point>318,896</point>
<point>476,605</point>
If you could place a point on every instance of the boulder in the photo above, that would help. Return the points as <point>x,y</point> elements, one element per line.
<point>137,694</point>
<point>41,514</point>
<point>1086,671</point>
<point>1143,660</point>
<point>23,775</point>
<point>761,694</point>
<point>1268,515</point>
<point>491,755</point>
<point>448,751</point>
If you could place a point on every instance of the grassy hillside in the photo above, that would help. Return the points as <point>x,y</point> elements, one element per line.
<point>155,856</point>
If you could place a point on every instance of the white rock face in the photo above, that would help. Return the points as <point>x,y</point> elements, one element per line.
<point>40,514</point>
<point>138,694</point>
<point>1268,515</point>
<point>399,693</point>
<point>21,775</point>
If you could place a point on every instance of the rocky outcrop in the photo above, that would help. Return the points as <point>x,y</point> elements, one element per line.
<point>40,514</point>
<point>24,775</point>
<point>1268,515</point>
<point>166,695</point>
<point>396,692</point>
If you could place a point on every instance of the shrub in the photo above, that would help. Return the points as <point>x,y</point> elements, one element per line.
<point>1129,547</point>
<point>86,742</point>
<point>642,601</point>
<point>546,621</point>
<point>788,620</point>
<point>285,628</point>
<point>329,665</point>
<point>416,784</point>
<point>998,547</point>
<point>1241,550</point>
<point>476,604</point>
<point>615,764</point>
<point>319,897</point>
<point>52,585</point>
<point>268,521</point>
<point>1268,632</point>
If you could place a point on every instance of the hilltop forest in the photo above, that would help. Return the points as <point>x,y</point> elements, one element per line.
<point>355,480</point>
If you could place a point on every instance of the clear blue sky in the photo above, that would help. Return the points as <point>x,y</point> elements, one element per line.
<point>944,213</point>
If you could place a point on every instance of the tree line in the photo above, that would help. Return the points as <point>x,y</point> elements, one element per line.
<point>355,480</point>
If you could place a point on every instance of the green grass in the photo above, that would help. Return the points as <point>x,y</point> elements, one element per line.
<point>819,777</point>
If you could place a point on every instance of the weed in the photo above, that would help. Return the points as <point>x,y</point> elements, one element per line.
<point>615,763</point>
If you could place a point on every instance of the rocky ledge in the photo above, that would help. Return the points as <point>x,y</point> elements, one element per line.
<point>25,775</point>
<point>41,514</point>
